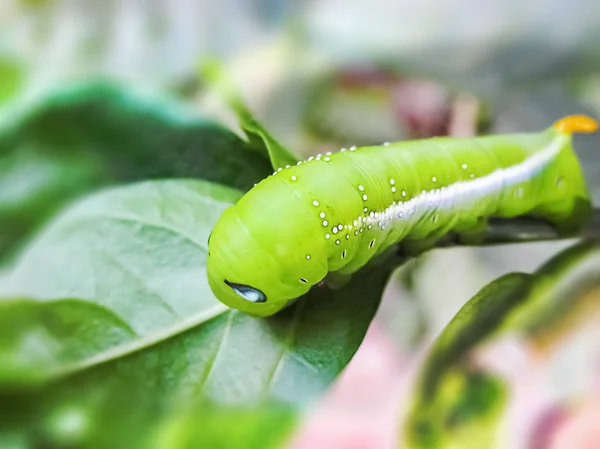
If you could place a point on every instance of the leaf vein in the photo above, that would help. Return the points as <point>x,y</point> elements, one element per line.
<point>211,362</point>
<point>287,344</point>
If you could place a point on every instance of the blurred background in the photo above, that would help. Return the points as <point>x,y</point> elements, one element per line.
<point>332,73</point>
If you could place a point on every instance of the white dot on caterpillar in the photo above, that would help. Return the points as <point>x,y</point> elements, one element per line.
<point>308,257</point>
<point>343,254</point>
<point>325,223</point>
<point>340,227</point>
<point>347,237</point>
<point>356,232</point>
<point>352,148</point>
<point>355,222</point>
<point>334,230</point>
<point>322,215</point>
<point>279,169</point>
<point>337,242</point>
<point>327,159</point>
<point>464,166</point>
<point>404,193</point>
<point>365,197</point>
<point>361,188</point>
<point>365,209</point>
<point>299,162</point>
<point>311,158</point>
<point>393,189</point>
<point>294,178</point>
<point>327,236</point>
<point>434,179</point>
<point>287,166</point>
<point>328,153</point>
<point>343,149</point>
<point>370,226</point>
<point>364,219</point>
<point>392,182</point>
<point>385,144</point>
<point>315,203</point>
<point>472,175</point>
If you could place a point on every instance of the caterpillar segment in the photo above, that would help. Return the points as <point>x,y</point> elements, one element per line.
<point>331,214</point>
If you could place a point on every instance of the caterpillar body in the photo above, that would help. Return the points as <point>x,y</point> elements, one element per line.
<point>334,212</point>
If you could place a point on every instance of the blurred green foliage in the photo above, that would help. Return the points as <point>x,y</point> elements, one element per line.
<point>69,141</point>
<point>456,404</point>
<point>12,74</point>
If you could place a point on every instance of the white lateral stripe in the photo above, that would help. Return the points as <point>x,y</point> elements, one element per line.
<point>463,193</point>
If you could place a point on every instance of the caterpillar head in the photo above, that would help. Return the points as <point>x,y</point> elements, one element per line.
<point>258,265</point>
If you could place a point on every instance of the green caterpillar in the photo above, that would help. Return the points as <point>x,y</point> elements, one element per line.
<point>333,213</point>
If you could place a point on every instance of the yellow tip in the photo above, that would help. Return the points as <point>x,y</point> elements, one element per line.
<point>576,124</point>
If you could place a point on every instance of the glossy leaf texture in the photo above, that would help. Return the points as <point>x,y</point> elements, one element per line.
<point>64,142</point>
<point>184,365</point>
<point>457,403</point>
<point>38,337</point>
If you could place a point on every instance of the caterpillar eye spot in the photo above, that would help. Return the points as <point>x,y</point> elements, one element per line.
<point>249,293</point>
<point>303,280</point>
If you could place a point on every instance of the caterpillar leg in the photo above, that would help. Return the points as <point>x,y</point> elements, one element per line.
<point>336,280</point>
<point>570,223</point>
<point>473,232</point>
<point>413,248</point>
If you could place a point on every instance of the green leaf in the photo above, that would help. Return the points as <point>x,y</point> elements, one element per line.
<point>445,378</point>
<point>561,296</point>
<point>226,428</point>
<point>455,403</point>
<point>66,142</point>
<point>478,319</point>
<point>259,137</point>
<point>37,338</point>
<point>139,252</point>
